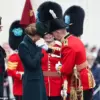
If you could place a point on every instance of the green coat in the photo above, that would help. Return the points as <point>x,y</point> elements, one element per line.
<point>33,82</point>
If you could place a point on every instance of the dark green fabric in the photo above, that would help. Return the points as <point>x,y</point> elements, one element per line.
<point>33,82</point>
<point>41,28</point>
<point>1,84</point>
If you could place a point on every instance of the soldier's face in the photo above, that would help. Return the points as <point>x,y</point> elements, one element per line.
<point>48,38</point>
<point>57,35</point>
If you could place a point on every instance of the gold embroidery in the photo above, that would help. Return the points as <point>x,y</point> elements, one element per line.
<point>65,42</point>
<point>11,68</point>
<point>76,92</point>
<point>55,48</point>
<point>91,80</point>
<point>12,65</point>
<point>65,37</point>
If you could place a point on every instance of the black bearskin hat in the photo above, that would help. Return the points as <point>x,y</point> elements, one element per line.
<point>16,34</point>
<point>43,13</point>
<point>74,16</point>
<point>50,13</point>
<point>56,24</point>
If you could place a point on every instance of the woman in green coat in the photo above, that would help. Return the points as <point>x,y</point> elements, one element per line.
<point>30,54</point>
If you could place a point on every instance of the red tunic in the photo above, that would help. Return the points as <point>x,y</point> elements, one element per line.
<point>53,84</point>
<point>73,53</point>
<point>14,67</point>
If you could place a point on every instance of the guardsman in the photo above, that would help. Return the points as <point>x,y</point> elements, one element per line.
<point>52,79</point>
<point>15,66</point>
<point>72,52</point>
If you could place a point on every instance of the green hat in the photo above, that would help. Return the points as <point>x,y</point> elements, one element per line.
<point>41,28</point>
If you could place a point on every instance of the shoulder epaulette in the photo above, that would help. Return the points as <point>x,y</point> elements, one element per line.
<point>65,42</point>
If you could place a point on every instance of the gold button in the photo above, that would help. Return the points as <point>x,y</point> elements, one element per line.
<point>48,64</point>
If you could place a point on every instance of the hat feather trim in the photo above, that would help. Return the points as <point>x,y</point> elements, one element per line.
<point>53,14</point>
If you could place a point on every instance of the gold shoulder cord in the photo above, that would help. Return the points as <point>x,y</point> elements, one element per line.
<point>76,90</point>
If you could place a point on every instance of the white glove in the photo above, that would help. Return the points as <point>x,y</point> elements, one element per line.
<point>21,73</point>
<point>64,93</point>
<point>58,67</point>
<point>45,46</point>
<point>41,43</point>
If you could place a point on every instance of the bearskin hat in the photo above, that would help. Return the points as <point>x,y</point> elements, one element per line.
<point>43,12</point>
<point>51,14</point>
<point>74,17</point>
<point>16,34</point>
<point>56,24</point>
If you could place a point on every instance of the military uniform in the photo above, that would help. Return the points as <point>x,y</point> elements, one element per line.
<point>74,54</point>
<point>72,51</point>
<point>75,22</point>
<point>53,81</point>
<point>75,51</point>
<point>15,67</point>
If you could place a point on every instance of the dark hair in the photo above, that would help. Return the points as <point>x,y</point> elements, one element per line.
<point>31,30</point>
